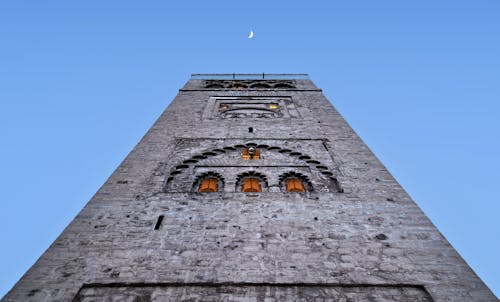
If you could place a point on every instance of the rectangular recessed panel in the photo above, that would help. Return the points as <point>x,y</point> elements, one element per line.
<point>250,293</point>
<point>250,107</point>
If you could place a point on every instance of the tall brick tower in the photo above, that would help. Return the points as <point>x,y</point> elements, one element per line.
<point>250,188</point>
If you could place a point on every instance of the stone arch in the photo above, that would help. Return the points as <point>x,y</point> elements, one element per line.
<point>252,174</point>
<point>237,85</point>
<point>312,163</point>
<point>258,85</point>
<point>252,84</point>
<point>213,85</point>
<point>292,174</point>
<point>199,178</point>
<point>250,112</point>
<point>283,86</point>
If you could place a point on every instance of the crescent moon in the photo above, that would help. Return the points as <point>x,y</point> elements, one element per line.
<point>251,34</point>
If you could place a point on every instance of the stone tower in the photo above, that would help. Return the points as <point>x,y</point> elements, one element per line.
<point>250,188</point>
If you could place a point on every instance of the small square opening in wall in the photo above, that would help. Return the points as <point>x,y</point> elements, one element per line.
<point>250,153</point>
<point>158,222</point>
<point>250,129</point>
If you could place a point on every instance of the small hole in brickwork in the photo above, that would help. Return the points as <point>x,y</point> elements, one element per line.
<point>315,218</point>
<point>158,222</point>
<point>250,129</point>
<point>376,179</point>
<point>381,237</point>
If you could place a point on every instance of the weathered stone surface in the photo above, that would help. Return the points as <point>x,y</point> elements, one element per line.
<point>354,236</point>
<point>252,293</point>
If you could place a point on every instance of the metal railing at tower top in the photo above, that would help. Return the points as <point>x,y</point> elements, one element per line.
<point>250,76</point>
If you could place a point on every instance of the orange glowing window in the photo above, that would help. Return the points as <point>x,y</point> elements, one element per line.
<point>273,106</point>
<point>294,185</point>
<point>208,185</point>
<point>251,185</point>
<point>250,153</point>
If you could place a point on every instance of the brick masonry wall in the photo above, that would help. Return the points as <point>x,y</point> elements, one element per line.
<point>369,243</point>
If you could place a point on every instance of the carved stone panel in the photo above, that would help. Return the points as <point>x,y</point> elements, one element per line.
<point>249,84</point>
<point>250,107</point>
<point>307,159</point>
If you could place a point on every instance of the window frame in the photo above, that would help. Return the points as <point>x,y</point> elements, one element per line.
<point>208,184</point>
<point>252,183</point>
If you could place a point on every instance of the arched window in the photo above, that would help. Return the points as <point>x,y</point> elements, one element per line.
<point>294,182</point>
<point>251,184</point>
<point>250,153</point>
<point>208,185</point>
<point>294,185</point>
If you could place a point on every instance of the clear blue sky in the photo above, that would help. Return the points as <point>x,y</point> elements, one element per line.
<point>81,82</point>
